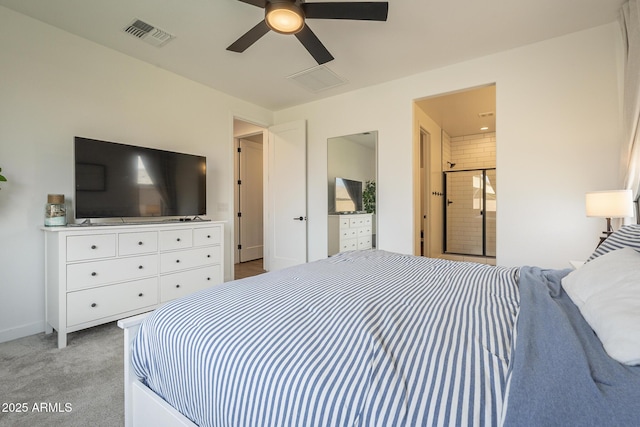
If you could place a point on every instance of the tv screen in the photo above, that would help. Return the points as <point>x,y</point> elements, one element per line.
<point>348,195</point>
<point>119,180</point>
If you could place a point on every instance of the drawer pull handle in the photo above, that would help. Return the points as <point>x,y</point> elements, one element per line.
<point>94,305</point>
<point>94,247</point>
<point>178,239</point>
<point>208,278</point>
<point>139,243</point>
<point>140,267</point>
<point>208,256</point>
<point>93,273</point>
<point>177,286</point>
<point>208,236</point>
<point>140,294</point>
<point>177,261</point>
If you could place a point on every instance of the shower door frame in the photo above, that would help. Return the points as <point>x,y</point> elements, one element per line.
<point>446,203</point>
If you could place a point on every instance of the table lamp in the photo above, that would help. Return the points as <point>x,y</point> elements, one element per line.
<point>609,204</point>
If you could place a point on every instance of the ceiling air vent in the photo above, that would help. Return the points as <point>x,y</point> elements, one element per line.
<point>148,33</point>
<point>317,79</point>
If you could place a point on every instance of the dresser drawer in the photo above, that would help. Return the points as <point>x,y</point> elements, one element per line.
<point>207,236</point>
<point>348,245</point>
<point>137,243</point>
<point>93,246</point>
<point>176,285</point>
<point>364,231</point>
<point>91,274</point>
<point>344,222</point>
<point>356,222</point>
<point>176,239</point>
<point>348,233</point>
<point>364,243</point>
<point>93,304</point>
<point>182,260</point>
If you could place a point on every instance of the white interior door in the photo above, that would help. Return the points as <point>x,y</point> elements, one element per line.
<point>286,211</point>
<point>250,220</point>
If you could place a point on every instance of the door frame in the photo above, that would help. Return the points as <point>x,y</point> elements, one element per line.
<point>264,128</point>
<point>237,188</point>
<point>267,144</point>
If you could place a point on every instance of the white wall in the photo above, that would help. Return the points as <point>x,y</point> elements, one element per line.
<point>53,86</point>
<point>558,127</point>
<point>351,160</point>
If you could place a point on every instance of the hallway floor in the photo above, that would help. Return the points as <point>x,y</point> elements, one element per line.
<point>249,268</point>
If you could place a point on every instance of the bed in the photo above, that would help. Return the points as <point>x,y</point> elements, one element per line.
<point>373,338</point>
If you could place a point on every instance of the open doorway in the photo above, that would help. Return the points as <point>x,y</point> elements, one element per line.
<point>248,199</point>
<point>455,175</point>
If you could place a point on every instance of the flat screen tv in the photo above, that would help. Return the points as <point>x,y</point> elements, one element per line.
<point>348,196</point>
<point>114,180</point>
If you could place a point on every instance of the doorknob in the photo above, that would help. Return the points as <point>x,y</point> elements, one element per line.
<point>300,218</point>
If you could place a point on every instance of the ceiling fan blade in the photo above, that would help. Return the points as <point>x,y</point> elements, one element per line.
<point>249,38</point>
<point>315,47</point>
<point>361,11</point>
<point>259,3</point>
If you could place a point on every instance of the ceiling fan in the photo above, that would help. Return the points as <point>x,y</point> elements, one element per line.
<point>288,17</point>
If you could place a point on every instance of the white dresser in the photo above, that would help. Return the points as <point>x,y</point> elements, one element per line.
<point>99,274</point>
<point>350,232</point>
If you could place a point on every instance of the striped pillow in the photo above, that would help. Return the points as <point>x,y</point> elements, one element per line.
<point>626,236</point>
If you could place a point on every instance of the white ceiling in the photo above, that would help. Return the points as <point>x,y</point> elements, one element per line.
<point>419,35</point>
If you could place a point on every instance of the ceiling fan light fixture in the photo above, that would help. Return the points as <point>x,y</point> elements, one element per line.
<point>284,17</point>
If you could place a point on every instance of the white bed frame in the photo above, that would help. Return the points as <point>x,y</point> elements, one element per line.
<point>142,407</point>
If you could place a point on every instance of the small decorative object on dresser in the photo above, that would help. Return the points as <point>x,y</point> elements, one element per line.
<point>2,178</point>
<point>98,274</point>
<point>55,214</point>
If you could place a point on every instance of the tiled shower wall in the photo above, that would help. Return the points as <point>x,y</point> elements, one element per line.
<point>473,151</point>
<point>464,222</point>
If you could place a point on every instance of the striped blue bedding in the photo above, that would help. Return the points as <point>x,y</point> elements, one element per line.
<point>365,338</point>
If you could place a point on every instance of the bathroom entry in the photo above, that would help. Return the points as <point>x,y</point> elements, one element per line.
<point>456,190</point>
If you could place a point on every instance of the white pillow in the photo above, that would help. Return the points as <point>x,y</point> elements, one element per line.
<point>607,292</point>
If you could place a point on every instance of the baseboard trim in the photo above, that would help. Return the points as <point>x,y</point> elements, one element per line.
<point>21,331</point>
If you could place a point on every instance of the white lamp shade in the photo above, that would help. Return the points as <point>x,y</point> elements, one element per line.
<point>610,204</point>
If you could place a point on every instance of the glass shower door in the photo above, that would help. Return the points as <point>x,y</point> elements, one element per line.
<point>470,212</point>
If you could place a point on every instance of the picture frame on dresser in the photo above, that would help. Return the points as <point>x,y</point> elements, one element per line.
<point>102,273</point>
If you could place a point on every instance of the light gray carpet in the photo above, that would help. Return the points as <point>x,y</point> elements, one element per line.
<point>80,385</point>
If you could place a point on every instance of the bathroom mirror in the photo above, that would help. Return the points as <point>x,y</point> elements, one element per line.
<point>351,180</point>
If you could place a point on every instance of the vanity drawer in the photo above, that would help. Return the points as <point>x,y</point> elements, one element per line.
<point>137,243</point>
<point>93,304</point>
<point>176,285</point>
<point>91,274</point>
<point>207,236</point>
<point>182,260</point>
<point>176,239</point>
<point>93,246</point>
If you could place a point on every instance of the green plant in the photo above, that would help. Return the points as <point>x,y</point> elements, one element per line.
<point>369,196</point>
<point>2,178</point>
